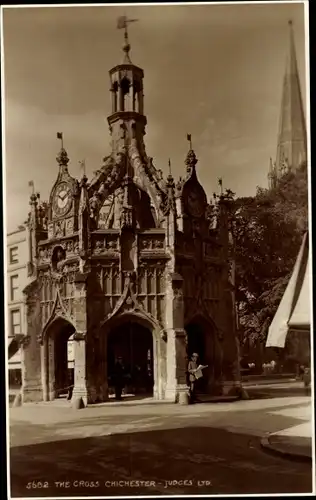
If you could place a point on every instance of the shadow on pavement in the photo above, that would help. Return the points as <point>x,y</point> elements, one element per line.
<point>277,392</point>
<point>212,461</point>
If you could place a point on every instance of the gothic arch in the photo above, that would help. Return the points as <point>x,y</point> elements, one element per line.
<point>135,317</point>
<point>154,329</point>
<point>58,331</point>
<point>53,323</point>
<point>203,338</point>
<point>201,318</point>
<point>128,306</point>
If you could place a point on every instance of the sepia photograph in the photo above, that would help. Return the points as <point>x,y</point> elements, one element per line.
<point>157,249</point>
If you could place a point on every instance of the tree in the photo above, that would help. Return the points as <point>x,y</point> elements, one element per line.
<point>268,231</point>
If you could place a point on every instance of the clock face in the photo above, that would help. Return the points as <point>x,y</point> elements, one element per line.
<point>62,199</point>
<point>195,203</point>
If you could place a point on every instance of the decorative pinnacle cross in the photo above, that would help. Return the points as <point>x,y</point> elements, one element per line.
<point>169,165</point>
<point>122,23</point>
<point>82,164</point>
<point>220,183</point>
<point>60,137</point>
<point>31,186</point>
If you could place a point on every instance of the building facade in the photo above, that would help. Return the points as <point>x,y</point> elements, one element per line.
<point>130,265</point>
<point>292,139</point>
<point>17,279</point>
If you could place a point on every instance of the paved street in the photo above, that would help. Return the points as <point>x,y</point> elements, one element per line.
<point>214,447</point>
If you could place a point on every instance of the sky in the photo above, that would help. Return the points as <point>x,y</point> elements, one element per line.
<point>214,71</point>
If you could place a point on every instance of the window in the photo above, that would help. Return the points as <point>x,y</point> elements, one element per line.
<point>14,288</point>
<point>14,255</point>
<point>15,321</point>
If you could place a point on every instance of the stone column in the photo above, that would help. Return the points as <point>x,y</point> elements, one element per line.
<point>176,387</point>
<point>156,372</point>
<point>103,368</point>
<point>44,369</point>
<point>210,358</point>
<point>91,368</point>
<point>217,386</point>
<point>231,373</point>
<point>121,99</point>
<point>80,391</point>
<point>32,390</point>
<point>51,369</point>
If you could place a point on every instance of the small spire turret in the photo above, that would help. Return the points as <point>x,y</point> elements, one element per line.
<point>127,97</point>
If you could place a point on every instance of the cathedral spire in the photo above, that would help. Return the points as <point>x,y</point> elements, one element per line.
<point>292,143</point>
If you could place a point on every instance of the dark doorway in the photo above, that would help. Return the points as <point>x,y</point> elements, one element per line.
<point>196,344</point>
<point>64,361</point>
<point>134,344</point>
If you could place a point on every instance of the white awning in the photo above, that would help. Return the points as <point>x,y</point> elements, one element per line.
<point>301,315</point>
<point>294,306</point>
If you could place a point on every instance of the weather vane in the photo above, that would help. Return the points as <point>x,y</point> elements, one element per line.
<point>122,23</point>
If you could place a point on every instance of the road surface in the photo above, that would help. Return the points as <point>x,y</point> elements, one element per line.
<point>153,449</point>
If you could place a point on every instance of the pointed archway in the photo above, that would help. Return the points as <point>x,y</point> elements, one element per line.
<point>133,344</point>
<point>134,338</point>
<point>58,358</point>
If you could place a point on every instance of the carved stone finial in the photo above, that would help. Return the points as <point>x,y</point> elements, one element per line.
<point>170,180</point>
<point>191,161</point>
<point>33,199</point>
<point>62,158</point>
<point>83,181</point>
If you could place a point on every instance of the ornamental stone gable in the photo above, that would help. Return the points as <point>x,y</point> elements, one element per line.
<point>127,265</point>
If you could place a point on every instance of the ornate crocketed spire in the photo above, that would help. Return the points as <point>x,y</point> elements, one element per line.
<point>84,199</point>
<point>34,199</point>
<point>170,188</point>
<point>122,23</point>
<point>62,158</point>
<point>127,215</point>
<point>169,178</point>
<point>191,159</point>
<point>83,218</point>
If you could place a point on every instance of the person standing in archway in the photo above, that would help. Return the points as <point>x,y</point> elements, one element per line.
<point>119,376</point>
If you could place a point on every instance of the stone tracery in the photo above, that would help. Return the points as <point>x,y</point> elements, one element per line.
<point>132,242</point>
